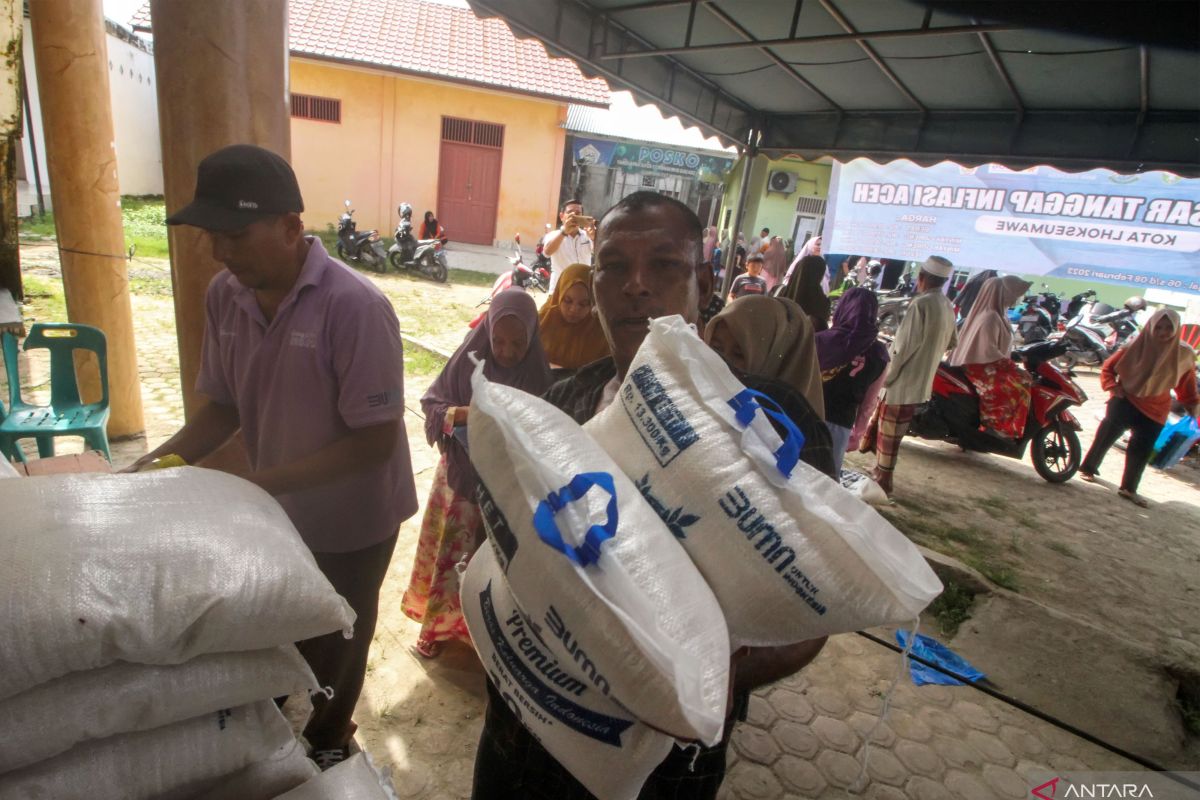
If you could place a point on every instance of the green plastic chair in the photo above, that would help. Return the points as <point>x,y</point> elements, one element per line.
<point>8,347</point>
<point>66,415</point>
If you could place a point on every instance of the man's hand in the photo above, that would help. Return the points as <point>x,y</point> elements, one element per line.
<point>208,429</point>
<point>460,415</point>
<point>751,667</point>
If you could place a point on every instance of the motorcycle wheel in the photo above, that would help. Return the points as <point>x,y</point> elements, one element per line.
<point>889,323</point>
<point>374,259</point>
<point>1056,453</point>
<point>396,261</point>
<point>341,251</point>
<point>434,268</point>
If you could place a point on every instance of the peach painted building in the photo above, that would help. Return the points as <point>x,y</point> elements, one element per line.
<point>420,101</point>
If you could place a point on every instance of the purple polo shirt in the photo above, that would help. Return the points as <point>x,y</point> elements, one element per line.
<point>329,362</point>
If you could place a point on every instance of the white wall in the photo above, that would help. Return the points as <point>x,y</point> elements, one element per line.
<point>135,117</point>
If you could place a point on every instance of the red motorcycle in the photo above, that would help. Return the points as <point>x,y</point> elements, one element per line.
<point>1051,430</point>
<point>521,276</point>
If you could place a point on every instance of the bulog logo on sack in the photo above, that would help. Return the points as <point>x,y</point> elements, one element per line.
<point>674,518</point>
<point>662,427</point>
<point>520,651</point>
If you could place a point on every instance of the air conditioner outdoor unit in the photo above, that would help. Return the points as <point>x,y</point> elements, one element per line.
<point>782,182</point>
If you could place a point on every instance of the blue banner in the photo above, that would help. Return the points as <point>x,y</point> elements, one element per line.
<point>637,157</point>
<point>1141,230</point>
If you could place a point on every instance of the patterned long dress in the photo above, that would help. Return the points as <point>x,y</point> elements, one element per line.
<point>449,531</point>
<point>1003,396</point>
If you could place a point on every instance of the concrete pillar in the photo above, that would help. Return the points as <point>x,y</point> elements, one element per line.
<point>222,79</point>
<point>72,67</point>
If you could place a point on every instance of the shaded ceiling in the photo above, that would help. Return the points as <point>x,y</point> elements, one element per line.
<point>1077,85</point>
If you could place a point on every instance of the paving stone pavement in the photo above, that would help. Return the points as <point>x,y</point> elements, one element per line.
<point>805,737</point>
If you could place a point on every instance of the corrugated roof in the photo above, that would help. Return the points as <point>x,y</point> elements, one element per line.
<point>432,39</point>
<point>625,119</point>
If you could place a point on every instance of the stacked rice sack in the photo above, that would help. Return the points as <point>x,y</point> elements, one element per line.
<point>628,557</point>
<point>148,620</point>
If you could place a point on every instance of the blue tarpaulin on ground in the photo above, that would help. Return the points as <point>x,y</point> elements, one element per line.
<point>935,652</point>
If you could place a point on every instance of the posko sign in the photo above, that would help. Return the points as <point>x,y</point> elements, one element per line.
<point>649,158</point>
<point>1142,230</point>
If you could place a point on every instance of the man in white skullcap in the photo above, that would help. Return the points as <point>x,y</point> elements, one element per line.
<point>924,336</point>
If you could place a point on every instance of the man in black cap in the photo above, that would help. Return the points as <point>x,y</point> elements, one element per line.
<point>303,355</point>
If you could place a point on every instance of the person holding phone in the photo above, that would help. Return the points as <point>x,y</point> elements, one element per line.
<point>572,242</point>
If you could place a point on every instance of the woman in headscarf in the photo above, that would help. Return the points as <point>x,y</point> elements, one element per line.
<point>1139,378</point>
<point>983,350</point>
<point>431,228</point>
<point>770,337</point>
<point>507,342</point>
<point>773,262</point>
<point>570,332</point>
<point>804,289</point>
<point>970,291</point>
<point>853,362</point>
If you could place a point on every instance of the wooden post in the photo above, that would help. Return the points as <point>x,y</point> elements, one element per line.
<point>72,67</point>
<point>222,79</point>
<point>10,133</point>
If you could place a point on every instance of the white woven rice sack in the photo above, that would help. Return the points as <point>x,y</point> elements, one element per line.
<point>283,770</point>
<point>53,717</point>
<point>861,486</point>
<point>152,568</point>
<point>788,558</point>
<point>630,610</point>
<point>176,761</point>
<point>353,779</point>
<point>596,740</point>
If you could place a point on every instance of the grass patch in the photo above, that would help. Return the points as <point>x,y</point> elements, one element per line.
<point>995,506</point>
<point>1062,549</point>
<point>153,285</point>
<point>420,362</point>
<point>952,608</point>
<point>469,277</point>
<point>1000,573</point>
<point>144,219</point>
<point>45,299</point>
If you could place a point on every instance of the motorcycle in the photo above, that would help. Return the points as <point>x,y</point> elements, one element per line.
<point>359,248</point>
<point>1098,331</point>
<point>426,256</point>
<point>1077,303</point>
<point>1051,430</point>
<point>521,275</point>
<point>894,304</point>
<point>525,276</point>
<point>1039,318</point>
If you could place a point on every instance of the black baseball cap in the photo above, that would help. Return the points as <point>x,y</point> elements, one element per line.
<point>238,185</point>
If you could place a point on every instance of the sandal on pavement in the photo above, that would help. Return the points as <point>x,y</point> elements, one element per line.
<point>1134,498</point>
<point>1090,477</point>
<point>426,649</point>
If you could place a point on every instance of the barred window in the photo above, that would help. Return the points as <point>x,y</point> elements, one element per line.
<point>467,131</point>
<point>323,109</point>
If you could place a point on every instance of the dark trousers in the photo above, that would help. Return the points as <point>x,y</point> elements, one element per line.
<point>337,661</point>
<point>1122,416</point>
<point>510,764</point>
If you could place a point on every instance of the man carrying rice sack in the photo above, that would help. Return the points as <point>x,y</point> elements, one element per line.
<point>647,265</point>
<point>303,356</point>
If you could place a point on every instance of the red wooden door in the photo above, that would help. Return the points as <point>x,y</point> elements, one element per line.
<point>469,179</point>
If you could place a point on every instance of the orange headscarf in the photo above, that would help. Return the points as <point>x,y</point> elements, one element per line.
<point>571,345</point>
<point>1151,367</point>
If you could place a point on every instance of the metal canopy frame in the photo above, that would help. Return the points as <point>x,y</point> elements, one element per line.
<point>1039,116</point>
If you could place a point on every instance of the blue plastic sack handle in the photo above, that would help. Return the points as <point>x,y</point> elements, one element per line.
<point>547,529</point>
<point>748,401</point>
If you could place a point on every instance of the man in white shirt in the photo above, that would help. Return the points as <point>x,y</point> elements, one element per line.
<point>570,244</point>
